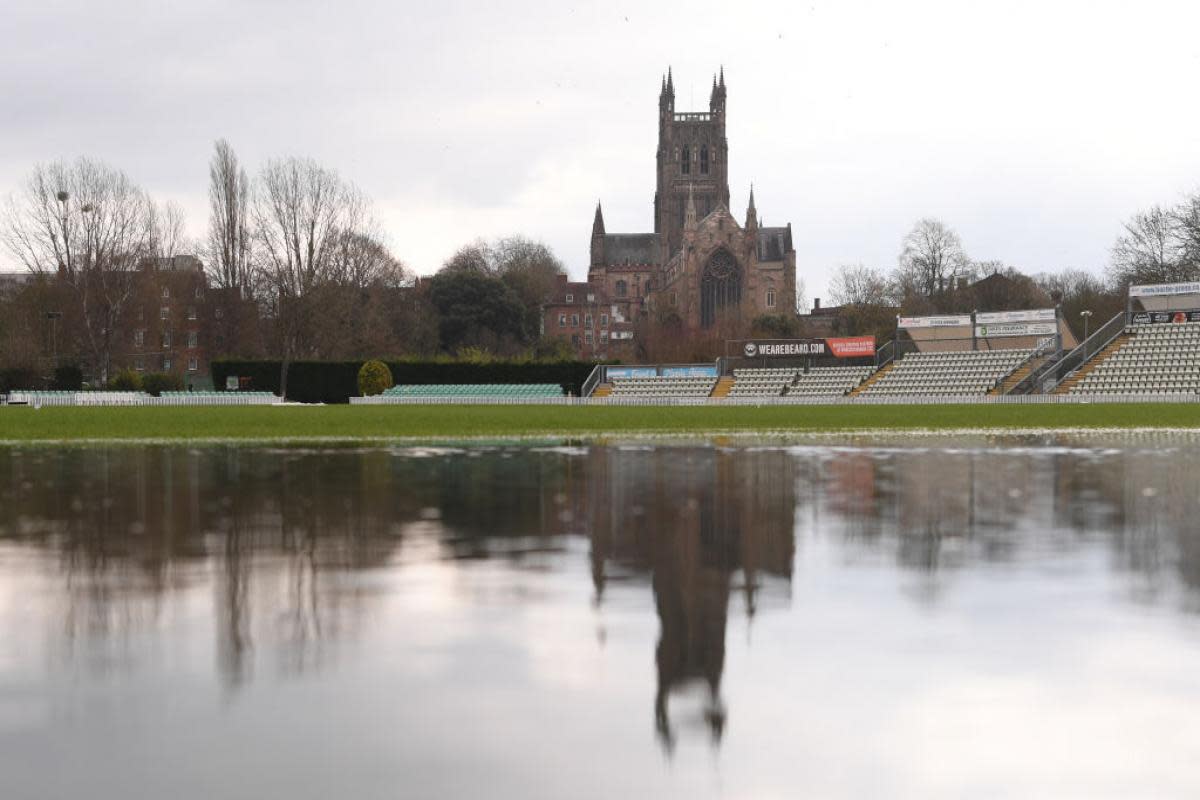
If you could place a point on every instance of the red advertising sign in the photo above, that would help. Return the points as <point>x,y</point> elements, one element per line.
<point>852,347</point>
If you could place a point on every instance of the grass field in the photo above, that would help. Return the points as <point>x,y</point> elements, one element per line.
<point>450,422</point>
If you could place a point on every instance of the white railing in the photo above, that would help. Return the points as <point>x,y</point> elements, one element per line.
<point>790,400</point>
<point>107,398</point>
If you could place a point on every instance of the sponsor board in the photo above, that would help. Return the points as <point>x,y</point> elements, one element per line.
<point>1165,317</point>
<point>852,346</point>
<point>952,321</point>
<point>997,317</point>
<point>630,372</point>
<point>1164,289</point>
<point>784,348</point>
<point>1016,329</point>
<point>690,372</point>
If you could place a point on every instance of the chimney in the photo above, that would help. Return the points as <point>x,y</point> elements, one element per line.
<point>816,304</point>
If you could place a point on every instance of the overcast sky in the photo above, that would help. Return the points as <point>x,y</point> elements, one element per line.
<point>1032,128</point>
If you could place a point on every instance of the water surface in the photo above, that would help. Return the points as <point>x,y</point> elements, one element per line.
<point>869,617</point>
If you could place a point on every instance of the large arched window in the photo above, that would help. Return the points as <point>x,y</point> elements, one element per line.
<point>720,287</point>
<point>704,159</point>
<point>622,289</point>
<point>685,163</point>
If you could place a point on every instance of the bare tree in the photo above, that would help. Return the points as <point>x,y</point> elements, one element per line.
<point>932,259</point>
<point>859,285</point>
<point>167,237</point>
<point>90,225</point>
<point>227,250</point>
<point>1187,228</point>
<point>300,211</point>
<point>361,260</point>
<point>1149,250</point>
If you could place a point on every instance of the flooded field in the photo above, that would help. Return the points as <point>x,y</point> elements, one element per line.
<point>916,617</point>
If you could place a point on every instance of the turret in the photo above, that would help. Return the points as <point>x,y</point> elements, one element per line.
<point>751,212</point>
<point>598,237</point>
<point>716,102</point>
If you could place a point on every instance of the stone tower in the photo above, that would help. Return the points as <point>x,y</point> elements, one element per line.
<point>692,159</point>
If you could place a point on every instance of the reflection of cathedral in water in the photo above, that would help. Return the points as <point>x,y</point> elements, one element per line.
<point>707,525</point>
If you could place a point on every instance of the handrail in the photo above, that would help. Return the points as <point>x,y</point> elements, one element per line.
<point>1058,369</point>
<point>593,380</point>
<point>881,360</point>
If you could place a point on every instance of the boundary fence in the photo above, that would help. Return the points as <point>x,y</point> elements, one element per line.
<point>792,400</point>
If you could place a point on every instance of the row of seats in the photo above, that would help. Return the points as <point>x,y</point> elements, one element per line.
<point>514,390</point>
<point>951,373</point>
<point>114,398</point>
<point>1156,359</point>
<point>818,381</point>
<point>663,387</point>
<point>214,398</point>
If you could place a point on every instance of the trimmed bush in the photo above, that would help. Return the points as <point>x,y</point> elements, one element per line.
<point>337,381</point>
<point>156,383</point>
<point>126,380</point>
<point>13,378</point>
<point>373,378</point>
<point>67,378</point>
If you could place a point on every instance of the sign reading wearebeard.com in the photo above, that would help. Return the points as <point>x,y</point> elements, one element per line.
<point>849,347</point>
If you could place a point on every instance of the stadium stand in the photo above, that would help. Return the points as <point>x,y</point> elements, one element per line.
<point>213,398</point>
<point>107,398</point>
<point>761,382</point>
<point>948,373</point>
<point>1154,359</point>
<point>828,381</point>
<point>662,387</point>
<point>514,391</point>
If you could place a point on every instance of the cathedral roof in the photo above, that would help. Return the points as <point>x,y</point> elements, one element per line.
<point>630,248</point>
<point>774,243</point>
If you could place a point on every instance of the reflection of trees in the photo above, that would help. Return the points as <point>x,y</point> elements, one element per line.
<point>700,521</point>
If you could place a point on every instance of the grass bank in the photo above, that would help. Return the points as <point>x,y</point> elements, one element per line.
<point>449,422</point>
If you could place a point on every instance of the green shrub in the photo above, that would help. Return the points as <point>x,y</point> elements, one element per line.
<point>67,378</point>
<point>13,378</point>
<point>373,378</point>
<point>156,383</point>
<point>126,380</point>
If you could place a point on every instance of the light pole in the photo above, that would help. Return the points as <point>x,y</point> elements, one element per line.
<point>1087,318</point>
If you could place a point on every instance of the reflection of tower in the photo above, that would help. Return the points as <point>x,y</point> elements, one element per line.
<point>701,521</point>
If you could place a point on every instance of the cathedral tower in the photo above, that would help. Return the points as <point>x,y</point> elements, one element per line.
<point>692,159</point>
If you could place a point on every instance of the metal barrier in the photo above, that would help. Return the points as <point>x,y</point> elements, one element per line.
<point>1052,373</point>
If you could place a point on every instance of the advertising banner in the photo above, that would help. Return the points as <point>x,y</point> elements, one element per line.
<point>952,321</point>
<point>630,372</point>
<point>1164,289</point>
<point>785,348</point>
<point>1165,317</point>
<point>690,371</point>
<point>1016,329</point>
<point>996,317</point>
<point>852,346</point>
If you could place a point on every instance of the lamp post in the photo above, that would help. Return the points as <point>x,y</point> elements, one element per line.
<point>1087,318</point>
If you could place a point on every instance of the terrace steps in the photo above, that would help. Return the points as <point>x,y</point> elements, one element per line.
<point>1095,361</point>
<point>603,390</point>
<point>879,373</point>
<point>1018,375</point>
<point>723,387</point>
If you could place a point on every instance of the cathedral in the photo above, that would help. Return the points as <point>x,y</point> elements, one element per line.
<point>699,266</point>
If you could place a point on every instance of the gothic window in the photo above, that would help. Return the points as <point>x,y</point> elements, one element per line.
<point>685,163</point>
<point>720,287</point>
<point>771,298</point>
<point>622,289</point>
<point>704,159</point>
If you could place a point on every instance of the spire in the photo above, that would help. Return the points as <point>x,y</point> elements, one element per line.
<point>598,223</point>
<point>689,217</point>
<point>751,212</point>
<point>670,83</point>
<point>722,76</point>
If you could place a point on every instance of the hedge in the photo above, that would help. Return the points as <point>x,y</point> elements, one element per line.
<point>337,381</point>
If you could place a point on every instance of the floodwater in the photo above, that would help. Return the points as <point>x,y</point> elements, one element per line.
<point>905,618</point>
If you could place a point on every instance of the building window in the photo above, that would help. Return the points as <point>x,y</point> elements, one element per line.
<point>139,338</point>
<point>193,339</point>
<point>166,339</point>
<point>164,312</point>
<point>685,163</point>
<point>622,289</point>
<point>674,299</point>
<point>587,320</point>
<point>570,298</point>
<point>166,365</point>
<point>604,320</point>
<point>193,364</point>
<point>199,293</point>
<point>166,293</point>
<point>587,337</point>
<point>574,320</point>
<point>218,313</point>
<point>704,160</point>
<point>192,312</point>
<point>575,340</point>
<point>139,364</point>
<point>591,298</point>
<point>141,314</point>
<point>604,336</point>
<point>562,320</point>
<point>770,298</point>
